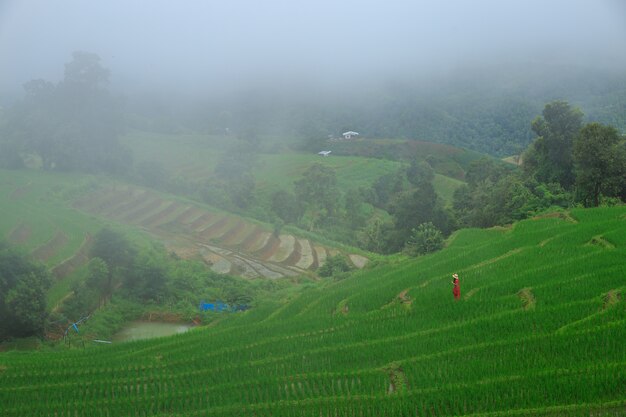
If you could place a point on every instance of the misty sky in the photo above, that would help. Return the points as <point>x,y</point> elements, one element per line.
<point>203,45</point>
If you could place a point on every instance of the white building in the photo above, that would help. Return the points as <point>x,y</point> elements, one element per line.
<point>350,134</point>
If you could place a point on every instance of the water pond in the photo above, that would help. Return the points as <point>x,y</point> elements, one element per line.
<point>137,330</point>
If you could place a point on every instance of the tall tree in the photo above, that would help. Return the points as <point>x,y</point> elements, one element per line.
<point>600,163</point>
<point>419,171</point>
<point>412,208</point>
<point>72,125</point>
<point>98,279</point>
<point>549,158</point>
<point>118,254</point>
<point>317,191</point>
<point>285,206</point>
<point>23,288</point>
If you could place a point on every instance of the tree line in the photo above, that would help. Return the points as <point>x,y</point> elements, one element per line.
<point>568,163</point>
<point>72,125</point>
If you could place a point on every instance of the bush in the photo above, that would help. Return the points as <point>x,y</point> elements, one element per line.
<point>334,265</point>
<point>425,239</point>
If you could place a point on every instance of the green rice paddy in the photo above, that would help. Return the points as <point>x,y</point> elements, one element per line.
<point>539,331</point>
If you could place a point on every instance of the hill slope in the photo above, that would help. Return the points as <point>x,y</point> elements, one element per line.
<point>539,331</point>
<point>53,216</point>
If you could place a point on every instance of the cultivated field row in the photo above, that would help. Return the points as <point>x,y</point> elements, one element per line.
<point>228,243</point>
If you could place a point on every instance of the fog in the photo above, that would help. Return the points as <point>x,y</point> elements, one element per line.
<point>209,46</point>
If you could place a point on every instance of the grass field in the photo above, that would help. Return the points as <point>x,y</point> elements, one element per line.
<point>539,331</point>
<point>194,157</point>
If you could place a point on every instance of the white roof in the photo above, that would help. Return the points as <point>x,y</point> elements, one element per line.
<point>350,133</point>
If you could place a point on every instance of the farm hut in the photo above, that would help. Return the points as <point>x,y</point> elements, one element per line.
<point>350,134</point>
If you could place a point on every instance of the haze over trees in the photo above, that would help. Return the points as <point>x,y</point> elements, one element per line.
<point>72,125</point>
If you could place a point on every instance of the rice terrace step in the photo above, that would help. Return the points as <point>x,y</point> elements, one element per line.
<point>226,242</point>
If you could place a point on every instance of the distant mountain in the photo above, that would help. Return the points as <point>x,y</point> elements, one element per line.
<point>484,110</point>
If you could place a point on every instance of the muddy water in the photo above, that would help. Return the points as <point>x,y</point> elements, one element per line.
<point>137,330</point>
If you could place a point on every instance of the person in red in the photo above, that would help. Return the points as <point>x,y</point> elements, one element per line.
<point>457,288</point>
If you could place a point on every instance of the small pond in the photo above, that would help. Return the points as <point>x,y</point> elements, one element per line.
<point>137,330</point>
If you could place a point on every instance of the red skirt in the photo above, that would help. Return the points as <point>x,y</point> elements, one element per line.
<point>457,292</point>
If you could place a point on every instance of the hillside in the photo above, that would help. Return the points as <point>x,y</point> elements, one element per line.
<point>53,216</point>
<point>194,157</point>
<point>539,331</point>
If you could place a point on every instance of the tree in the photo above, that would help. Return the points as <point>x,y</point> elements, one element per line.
<point>600,163</point>
<point>385,187</point>
<point>317,191</point>
<point>410,209</point>
<point>425,239</point>
<point>333,266</point>
<point>99,277</point>
<point>355,215</point>
<point>484,170</point>
<point>285,206</point>
<point>148,278</point>
<point>112,248</point>
<point>23,288</point>
<point>375,235</point>
<point>419,171</point>
<point>549,158</point>
<point>72,125</point>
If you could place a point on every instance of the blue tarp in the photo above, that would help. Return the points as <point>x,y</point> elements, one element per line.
<point>220,306</point>
<point>207,306</point>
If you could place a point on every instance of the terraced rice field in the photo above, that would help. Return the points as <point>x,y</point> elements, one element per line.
<point>228,243</point>
<point>387,341</point>
<point>37,218</point>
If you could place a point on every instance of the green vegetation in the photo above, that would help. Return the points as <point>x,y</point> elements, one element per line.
<point>400,344</point>
<point>23,288</point>
<point>247,220</point>
<point>425,239</point>
<point>331,195</point>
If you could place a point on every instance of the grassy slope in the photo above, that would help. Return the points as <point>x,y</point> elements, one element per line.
<point>48,205</point>
<point>39,202</point>
<point>194,157</point>
<point>539,331</point>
